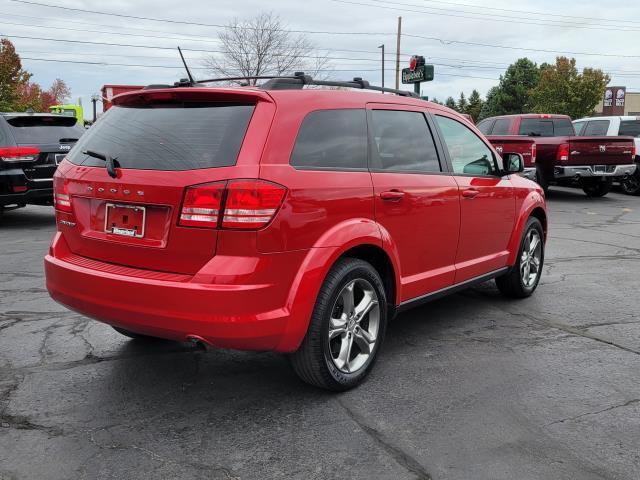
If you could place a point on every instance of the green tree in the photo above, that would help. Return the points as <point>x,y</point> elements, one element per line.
<point>451,103</point>
<point>475,105</point>
<point>563,90</point>
<point>490,107</point>
<point>12,77</point>
<point>462,103</point>
<point>513,93</point>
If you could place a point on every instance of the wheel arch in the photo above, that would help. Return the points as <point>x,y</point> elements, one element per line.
<point>532,206</point>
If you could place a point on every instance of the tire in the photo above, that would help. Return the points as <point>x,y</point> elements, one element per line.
<point>328,361</point>
<point>134,335</point>
<point>540,180</point>
<point>596,187</point>
<point>514,284</point>
<point>631,185</point>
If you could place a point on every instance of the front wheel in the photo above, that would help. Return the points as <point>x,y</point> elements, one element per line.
<point>346,330</point>
<point>596,187</point>
<point>522,280</point>
<point>631,184</point>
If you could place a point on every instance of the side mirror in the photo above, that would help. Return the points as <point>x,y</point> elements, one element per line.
<point>513,163</point>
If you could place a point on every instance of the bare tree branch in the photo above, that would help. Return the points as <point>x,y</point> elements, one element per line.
<point>263,46</point>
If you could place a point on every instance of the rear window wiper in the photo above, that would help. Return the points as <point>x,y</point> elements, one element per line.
<point>109,161</point>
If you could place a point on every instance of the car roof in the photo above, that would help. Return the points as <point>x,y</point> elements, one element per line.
<point>531,115</point>
<point>610,117</point>
<point>312,97</point>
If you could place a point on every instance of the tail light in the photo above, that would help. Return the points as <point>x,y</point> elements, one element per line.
<point>19,154</point>
<point>61,197</point>
<point>534,152</point>
<point>201,206</point>
<point>563,152</point>
<point>251,203</point>
<point>236,204</point>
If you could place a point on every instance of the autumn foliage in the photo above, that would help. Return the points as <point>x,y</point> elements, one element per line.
<point>17,92</point>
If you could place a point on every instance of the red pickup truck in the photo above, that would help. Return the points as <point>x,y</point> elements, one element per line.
<point>558,157</point>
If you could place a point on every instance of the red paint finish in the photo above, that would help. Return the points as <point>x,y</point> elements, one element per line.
<point>235,256</point>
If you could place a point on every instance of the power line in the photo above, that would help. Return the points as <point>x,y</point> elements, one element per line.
<point>441,40</point>
<point>496,17</point>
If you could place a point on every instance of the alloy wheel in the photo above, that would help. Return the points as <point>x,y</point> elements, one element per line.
<point>354,325</point>
<point>531,258</point>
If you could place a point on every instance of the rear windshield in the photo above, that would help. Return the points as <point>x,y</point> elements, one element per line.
<point>630,127</point>
<point>44,130</point>
<point>167,137</point>
<point>536,127</point>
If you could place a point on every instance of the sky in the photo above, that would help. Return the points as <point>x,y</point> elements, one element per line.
<point>470,42</point>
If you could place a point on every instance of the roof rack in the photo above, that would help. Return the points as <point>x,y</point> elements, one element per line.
<point>299,80</point>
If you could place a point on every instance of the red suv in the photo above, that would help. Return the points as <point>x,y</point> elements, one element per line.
<point>285,219</point>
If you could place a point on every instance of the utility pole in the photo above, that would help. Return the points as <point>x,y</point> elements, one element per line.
<point>382,47</point>
<point>94,100</point>
<point>398,53</point>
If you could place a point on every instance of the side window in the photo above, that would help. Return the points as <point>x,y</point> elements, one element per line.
<point>630,128</point>
<point>4,137</point>
<point>502,126</point>
<point>485,126</point>
<point>562,127</point>
<point>535,127</point>
<point>469,155</point>
<point>332,139</point>
<point>403,142</point>
<point>596,128</point>
<point>579,126</point>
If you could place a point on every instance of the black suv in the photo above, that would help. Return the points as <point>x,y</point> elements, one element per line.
<point>31,146</point>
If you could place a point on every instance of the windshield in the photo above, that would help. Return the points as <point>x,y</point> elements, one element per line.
<point>168,136</point>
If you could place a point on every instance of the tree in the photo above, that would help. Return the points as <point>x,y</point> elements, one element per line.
<point>435,100</point>
<point>462,103</point>
<point>512,95</point>
<point>475,105</point>
<point>262,46</point>
<point>563,90</point>
<point>451,103</point>
<point>12,77</point>
<point>490,106</point>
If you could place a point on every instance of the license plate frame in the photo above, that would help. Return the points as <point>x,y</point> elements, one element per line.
<point>58,158</point>
<point>122,230</point>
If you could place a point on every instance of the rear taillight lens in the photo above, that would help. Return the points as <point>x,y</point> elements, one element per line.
<point>61,197</point>
<point>19,154</point>
<point>251,204</point>
<point>563,152</point>
<point>534,152</point>
<point>236,204</point>
<point>201,206</point>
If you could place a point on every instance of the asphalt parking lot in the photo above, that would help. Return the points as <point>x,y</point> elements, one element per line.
<point>469,387</point>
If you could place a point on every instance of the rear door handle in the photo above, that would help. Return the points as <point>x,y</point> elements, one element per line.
<point>392,195</point>
<point>470,193</point>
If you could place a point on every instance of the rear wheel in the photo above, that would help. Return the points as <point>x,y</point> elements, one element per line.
<point>631,184</point>
<point>522,280</point>
<point>346,330</point>
<point>134,335</point>
<point>596,187</point>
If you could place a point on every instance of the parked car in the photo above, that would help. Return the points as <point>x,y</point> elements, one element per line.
<point>31,146</point>
<point>286,219</point>
<point>611,127</point>
<point>563,158</point>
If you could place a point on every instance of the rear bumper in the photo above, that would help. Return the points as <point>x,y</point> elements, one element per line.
<point>246,314</point>
<point>12,183</point>
<point>578,171</point>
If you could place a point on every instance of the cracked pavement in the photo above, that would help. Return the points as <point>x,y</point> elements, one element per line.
<point>471,386</point>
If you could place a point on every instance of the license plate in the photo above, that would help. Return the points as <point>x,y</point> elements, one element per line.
<point>600,169</point>
<point>124,220</point>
